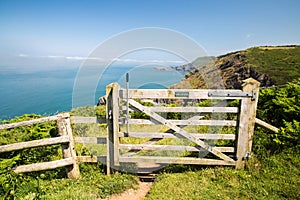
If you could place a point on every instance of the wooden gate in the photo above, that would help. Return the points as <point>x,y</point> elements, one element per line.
<point>156,113</point>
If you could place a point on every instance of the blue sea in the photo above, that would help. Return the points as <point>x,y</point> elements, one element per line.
<point>50,91</point>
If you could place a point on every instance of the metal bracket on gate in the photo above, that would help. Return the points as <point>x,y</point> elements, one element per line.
<point>251,95</point>
<point>123,120</point>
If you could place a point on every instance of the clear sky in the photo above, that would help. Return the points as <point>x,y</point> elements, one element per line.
<point>73,28</point>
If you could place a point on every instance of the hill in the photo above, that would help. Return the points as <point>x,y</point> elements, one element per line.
<point>271,65</point>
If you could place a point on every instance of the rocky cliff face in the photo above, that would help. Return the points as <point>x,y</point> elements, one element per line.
<point>231,69</point>
<point>234,70</point>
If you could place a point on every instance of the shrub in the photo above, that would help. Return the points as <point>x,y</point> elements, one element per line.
<point>281,107</point>
<point>10,181</point>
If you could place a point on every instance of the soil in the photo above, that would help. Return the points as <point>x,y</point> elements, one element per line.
<point>131,194</point>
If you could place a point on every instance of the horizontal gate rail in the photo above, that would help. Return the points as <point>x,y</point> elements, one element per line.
<point>91,159</point>
<point>171,135</point>
<point>179,94</point>
<point>171,148</point>
<point>90,140</point>
<point>176,160</point>
<point>183,122</point>
<point>87,120</point>
<point>192,109</point>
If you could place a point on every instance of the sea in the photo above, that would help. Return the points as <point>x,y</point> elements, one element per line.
<point>50,91</point>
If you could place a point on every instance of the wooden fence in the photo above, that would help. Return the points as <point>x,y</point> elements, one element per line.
<point>118,97</point>
<point>65,139</point>
<point>70,159</point>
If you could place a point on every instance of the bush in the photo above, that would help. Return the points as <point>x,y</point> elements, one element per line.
<point>10,181</point>
<point>281,107</point>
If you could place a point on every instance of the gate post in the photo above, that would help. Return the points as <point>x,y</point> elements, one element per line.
<point>112,117</point>
<point>68,150</point>
<point>246,122</point>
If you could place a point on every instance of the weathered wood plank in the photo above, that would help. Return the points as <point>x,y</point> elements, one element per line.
<point>112,117</point>
<point>90,140</point>
<point>170,148</point>
<point>43,166</point>
<point>33,121</point>
<point>34,143</point>
<point>176,160</point>
<point>179,130</point>
<point>68,150</point>
<point>204,122</point>
<point>172,94</point>
<point>195,109</point>
<point>252,110</point>
<point>246,122</point>
<point>91,159</point>
<point>141,121</point>
<point>109,145</point>
<point>87,120</point>
<point>184,122</point>
<point>171,135</point>
<point>116,128</point>
<point>215,109</point>
<point>266,125</point>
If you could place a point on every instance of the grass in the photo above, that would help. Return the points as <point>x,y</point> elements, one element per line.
<point>274,177</point>
<point>282,64</point>
<point>94,184</point>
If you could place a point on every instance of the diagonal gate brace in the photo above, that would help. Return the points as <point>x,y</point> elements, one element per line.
<point>180,131</point>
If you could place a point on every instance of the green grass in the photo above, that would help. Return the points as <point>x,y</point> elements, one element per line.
<point>274,177</point>
<point>94,184</point>
<point>282,64</point>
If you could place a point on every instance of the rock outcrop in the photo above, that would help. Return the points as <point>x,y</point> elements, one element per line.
<point>231,69</point>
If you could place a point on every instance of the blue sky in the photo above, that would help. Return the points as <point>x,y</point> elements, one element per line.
<point>35,32</point>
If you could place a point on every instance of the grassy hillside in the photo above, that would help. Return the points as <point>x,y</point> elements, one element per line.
<point>275,177</point>
<point>269,65</point>
<point>282,64</point>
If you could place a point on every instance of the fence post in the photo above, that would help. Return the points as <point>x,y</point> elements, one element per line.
<point>68,150</point>
<point>246,122</point>
<point>112,116</point>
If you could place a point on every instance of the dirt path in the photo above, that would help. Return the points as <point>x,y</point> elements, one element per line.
<point>132,194</point>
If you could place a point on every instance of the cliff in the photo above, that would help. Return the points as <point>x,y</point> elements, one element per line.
<point>269,65</point>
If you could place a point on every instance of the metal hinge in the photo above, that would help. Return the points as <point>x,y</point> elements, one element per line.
<point>110,114</point>
<point>251,95</point>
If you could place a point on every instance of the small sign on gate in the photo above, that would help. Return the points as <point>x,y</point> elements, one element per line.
<point>182,94</point>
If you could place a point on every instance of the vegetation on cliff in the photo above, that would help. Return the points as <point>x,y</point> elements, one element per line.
<point>269,65</point>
